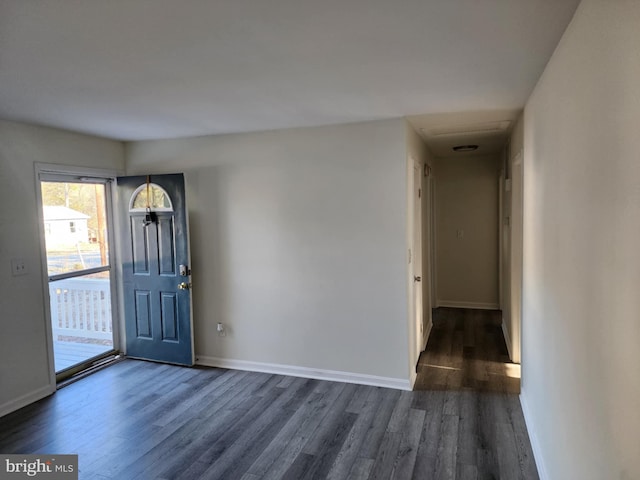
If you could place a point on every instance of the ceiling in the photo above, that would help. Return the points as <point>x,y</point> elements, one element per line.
<point>148,69</point>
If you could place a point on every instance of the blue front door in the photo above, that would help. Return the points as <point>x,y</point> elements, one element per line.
<point>155,268</point>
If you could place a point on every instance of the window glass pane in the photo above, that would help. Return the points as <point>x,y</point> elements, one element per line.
<point>75,226</point>
<point>159,198</point>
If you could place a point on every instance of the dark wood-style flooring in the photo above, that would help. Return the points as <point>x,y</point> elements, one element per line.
<point>467,351</point>
<point>140,420</point>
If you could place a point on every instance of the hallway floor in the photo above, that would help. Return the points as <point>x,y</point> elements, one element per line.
<point>467,352</point>
<point>468,379</point>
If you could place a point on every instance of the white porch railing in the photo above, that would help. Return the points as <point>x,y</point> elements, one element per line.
<point>81,307</point>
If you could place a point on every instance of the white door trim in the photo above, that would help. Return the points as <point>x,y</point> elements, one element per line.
<point>414,172</point>
<point>517,210</point>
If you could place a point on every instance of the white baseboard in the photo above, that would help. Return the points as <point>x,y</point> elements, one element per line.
<point>413,376</point>
<point>425,337</point>
<point>24,400</point>
<point>535,441</point>
<point>507,339</point>
<point>476,305</point>
<point>293,371</point>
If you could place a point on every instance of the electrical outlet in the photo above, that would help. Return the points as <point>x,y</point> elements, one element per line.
<point>18,267</point>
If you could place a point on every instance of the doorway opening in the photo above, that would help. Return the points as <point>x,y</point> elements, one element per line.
<point>77,229</point>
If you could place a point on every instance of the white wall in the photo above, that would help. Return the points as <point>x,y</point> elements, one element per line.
<point>298,243</point>
<point>581,307</point>
<point>467,200</point>
<point>24,370</point>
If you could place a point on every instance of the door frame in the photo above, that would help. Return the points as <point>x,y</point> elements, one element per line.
<point>415,337</point>
<point>433,238</point>
<point>108,176</point>
<point>516,255</point>
<point>428,257</point>
<point>418,255</point>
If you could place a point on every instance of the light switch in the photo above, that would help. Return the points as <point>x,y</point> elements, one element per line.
<point>18,267</point>
<point>460,233</point>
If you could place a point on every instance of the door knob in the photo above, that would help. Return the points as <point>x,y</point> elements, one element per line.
<point>417,279</point>
<point>184,286</point>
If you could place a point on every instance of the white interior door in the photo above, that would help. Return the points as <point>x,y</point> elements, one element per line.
<point>417,256</point>
<point>427,263</point>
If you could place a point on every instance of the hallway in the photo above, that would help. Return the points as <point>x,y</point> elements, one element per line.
<point>471,392</point>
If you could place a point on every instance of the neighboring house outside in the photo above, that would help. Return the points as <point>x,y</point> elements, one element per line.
<point>64,227</point>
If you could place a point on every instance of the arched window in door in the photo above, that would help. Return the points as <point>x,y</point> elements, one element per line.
<point>150,196</point>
